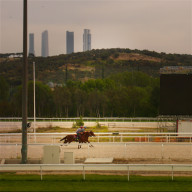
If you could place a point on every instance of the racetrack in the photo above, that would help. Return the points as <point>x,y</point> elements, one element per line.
<point>143,151</point>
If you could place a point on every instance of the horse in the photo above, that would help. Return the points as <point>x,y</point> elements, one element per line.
<point>83,138</point>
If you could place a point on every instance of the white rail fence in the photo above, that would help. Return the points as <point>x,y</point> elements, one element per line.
<point>128,168</point>
<point>17,125</point>
<point>106,119</point>
<point>54,138</point>
<point>10,124</point>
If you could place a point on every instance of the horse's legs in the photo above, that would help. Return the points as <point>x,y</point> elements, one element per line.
<point>90,145</point>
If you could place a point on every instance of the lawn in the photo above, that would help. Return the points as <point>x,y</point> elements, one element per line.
<point>13,182</point>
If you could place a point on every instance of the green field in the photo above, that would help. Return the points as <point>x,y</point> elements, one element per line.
<point>13,182</point>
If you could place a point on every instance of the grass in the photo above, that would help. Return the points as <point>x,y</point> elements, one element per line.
<point>14,182</point>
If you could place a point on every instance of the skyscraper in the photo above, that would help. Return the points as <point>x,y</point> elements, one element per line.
<point>86,40</point>
<point>31,44</point>
<point>45,45</point>
<point>69,42</point>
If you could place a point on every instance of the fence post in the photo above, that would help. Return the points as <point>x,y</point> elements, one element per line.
<point>41,173</point>
<point>83,172</point>
<point>162,151</point>
<point>172,173</point>
<point>128,173</point>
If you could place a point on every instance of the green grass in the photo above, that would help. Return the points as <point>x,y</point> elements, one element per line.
<point>13,182</point>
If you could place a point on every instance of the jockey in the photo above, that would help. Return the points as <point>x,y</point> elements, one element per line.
<point>80,131</point>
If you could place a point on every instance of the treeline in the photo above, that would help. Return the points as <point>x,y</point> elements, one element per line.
<point>127,94</point>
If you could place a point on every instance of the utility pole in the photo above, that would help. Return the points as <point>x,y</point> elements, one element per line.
<point>24,87</point>
<point>34,102</point>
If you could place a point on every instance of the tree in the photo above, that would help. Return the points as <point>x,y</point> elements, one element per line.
<point>4,89</point>
<point>62,100</point>
<point>44,100</point>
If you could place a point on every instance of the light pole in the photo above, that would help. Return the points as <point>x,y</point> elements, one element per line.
<point>34,103</point>
<point>25,87</point>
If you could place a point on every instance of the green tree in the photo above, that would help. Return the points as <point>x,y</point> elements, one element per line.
<point>62,100</point>
<point>4,89</point>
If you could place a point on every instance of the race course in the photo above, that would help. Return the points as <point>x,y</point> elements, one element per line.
<point>181,152</point>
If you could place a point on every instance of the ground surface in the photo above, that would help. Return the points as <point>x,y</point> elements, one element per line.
<point>126,153</point>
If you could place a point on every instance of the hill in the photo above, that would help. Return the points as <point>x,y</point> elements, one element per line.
<point>94,64</point>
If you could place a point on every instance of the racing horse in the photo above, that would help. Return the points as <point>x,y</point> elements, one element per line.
<point>83,139</point>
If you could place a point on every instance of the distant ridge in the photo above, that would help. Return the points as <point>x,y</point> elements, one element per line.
<point>94,64</point>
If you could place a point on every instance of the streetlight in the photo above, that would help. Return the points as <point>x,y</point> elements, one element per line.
<point>34,103</point>
<point>25,87</point>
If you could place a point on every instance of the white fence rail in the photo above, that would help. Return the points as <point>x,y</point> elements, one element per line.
<point>100,137</point>
<point>172,168</point>
<point>147,119</point>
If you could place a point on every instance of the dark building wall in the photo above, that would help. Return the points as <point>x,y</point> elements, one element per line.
<point>176,94</point>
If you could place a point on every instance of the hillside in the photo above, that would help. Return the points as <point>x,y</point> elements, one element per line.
<point>95,64</point>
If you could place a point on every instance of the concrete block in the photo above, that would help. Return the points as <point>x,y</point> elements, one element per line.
<point>68,158</point>
<point>51,154</point>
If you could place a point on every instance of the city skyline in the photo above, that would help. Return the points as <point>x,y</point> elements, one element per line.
<point>69,43</point>
<point>162,26</point>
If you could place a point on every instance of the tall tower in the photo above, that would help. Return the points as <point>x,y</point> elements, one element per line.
<point>69,42</point>
<point>31,45</point>
<point>45,45</point>
<point>86,40</point>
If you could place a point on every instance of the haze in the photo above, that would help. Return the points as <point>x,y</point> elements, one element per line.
<point>159,25</point>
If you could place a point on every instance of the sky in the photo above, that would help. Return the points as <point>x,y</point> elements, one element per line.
<point>156,25</point>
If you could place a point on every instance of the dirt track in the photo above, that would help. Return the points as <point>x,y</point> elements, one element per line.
<point>141,152</point>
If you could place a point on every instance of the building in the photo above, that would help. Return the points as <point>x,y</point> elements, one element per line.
<point>31,45</point>
<point>86,40</point>
<point>45,45</point>
<point>69,42</point>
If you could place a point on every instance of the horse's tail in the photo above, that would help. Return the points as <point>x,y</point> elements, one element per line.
<point>63,138</point>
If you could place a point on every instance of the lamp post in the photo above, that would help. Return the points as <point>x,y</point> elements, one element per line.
<point>34,102</point>
<point>25,87</point>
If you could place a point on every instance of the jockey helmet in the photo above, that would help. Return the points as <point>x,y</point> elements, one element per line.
<point>81,127</point>
<point>85,127</point>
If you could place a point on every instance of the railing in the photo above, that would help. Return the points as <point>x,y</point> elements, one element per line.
<point>105,119</point>
<point>101,137</point>
<point>172,168</point>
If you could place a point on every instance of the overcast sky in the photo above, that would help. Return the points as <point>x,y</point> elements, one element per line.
<point>159,25</point>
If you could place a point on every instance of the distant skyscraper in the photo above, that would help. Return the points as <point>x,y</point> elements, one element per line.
<point>31,44</point>
<point>69,42</point>
<point>86,40</point>
<point>45,45</point>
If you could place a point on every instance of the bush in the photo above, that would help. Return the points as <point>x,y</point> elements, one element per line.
<point>78,123</point>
